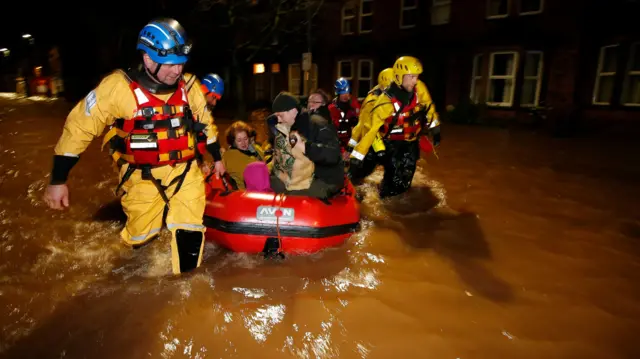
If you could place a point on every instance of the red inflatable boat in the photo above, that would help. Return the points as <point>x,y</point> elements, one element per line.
<point>254,222</point>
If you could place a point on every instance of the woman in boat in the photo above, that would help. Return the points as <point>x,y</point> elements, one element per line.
<point>241,152</point>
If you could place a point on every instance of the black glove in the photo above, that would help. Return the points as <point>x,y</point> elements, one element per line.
<point>354,162</point>
<point>381,154</point>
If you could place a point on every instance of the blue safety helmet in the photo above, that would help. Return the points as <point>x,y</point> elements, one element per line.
<point>165,41</point>
<point>214,84</point>
<point>342,86</point>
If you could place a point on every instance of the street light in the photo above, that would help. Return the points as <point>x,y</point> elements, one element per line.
<point>26,36</point>
<point>5,51</point>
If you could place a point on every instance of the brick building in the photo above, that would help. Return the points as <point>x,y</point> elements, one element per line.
<point>580,57</point>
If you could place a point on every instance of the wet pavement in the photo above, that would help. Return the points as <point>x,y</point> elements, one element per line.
<point>511,245</point>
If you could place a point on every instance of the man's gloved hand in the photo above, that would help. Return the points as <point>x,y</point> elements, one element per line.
<point>381,154</point>
<point>435,135</point>
<point>354,162</point>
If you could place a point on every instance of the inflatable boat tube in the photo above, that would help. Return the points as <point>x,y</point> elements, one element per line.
<point>255,222</point>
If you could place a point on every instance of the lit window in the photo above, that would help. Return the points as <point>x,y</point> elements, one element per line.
<point>258,68</point>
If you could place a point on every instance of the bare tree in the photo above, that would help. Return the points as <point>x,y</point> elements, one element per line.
<point>255,26</point>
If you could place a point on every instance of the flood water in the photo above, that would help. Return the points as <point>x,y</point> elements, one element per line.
<point>510,245</point>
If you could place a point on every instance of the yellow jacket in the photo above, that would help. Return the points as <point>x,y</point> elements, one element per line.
<point>113,99</point>
<point>383,109</point>
<point>235,162</point>
<point>364,120</point>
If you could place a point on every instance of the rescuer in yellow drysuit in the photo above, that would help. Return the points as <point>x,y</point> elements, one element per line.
<point>159,124</point>
<point>370,160</point>
<point>402,116</point>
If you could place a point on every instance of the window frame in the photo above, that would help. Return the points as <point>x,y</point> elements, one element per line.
<point>404,8</point>
<point>599,74</point>
<point>440,3</point>
<point>491,77</point>
<point>361,15</point>
<point>344,18</point>
<point>527,13</point>
<point>476,76</point>
<point>370,78</point>
<point>339,68</point>
<point>634,50</point>
<point>538,78</point>
<point>502,16</point>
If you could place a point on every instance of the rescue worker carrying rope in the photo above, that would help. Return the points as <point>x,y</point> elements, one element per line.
<point>344,111</point>
<point>158,124</point>
<point>403,115</point>
<point>362,167</point>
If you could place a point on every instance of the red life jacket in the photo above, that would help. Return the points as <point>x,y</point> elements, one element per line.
<point>404,124</point>
<point>344,122</point>
<point>159,133</point>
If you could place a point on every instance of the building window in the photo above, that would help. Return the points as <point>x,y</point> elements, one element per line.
<point>258,69</point>
<point>497,9</point>
<point>477,89</point>
<point>345,69</point>
<point>294,77</point>
<point>605,76</point>
<point>531,7</point>
<point>631,92</point>
<point>408,13</point>
<point>348,18</point>
<point>502,78</point>
<point>533,63</point>
<point>365,77</point>
<point>366,16</point>
<point>440,12</point>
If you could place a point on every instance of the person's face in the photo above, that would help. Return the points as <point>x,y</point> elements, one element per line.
<point>288,118</point>
<point>242,140</point>
<point>168,74</point>
<point>344,97</point>
<point>409,82</point>
<point>315,101</point>
<point>212,100</point>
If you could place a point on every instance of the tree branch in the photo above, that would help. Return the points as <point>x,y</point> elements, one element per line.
<point>276,21</point>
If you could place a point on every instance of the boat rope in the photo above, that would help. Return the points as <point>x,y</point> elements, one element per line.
<point>278,215</point>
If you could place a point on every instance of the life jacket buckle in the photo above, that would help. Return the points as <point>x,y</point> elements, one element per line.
<point>147,111</point>
<point>175,155</point>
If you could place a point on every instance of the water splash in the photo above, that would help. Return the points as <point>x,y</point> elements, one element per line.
<point>261,322</point>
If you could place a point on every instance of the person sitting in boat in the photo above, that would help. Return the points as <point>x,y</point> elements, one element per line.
<point>241,152</point>
<point>307,158</point>
<point>318,103</point>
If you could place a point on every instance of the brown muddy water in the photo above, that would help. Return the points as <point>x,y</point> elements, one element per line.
<point>511,245</point>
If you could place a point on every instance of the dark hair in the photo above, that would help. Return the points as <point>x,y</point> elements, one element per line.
<point>234,129</point>
<point>323,94</point>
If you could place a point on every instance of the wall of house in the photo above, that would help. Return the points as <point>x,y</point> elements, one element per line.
<point>564,32</point>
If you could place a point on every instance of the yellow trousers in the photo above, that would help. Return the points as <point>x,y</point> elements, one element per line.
<point>145,207</point>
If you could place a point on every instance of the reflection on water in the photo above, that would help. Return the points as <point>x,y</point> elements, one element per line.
<point>499,250</point>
